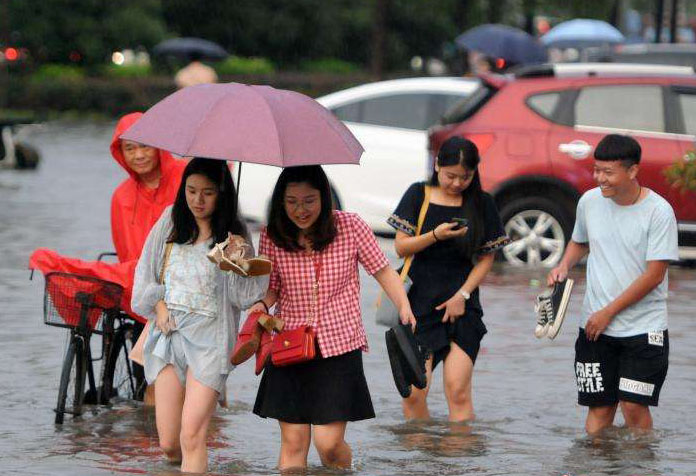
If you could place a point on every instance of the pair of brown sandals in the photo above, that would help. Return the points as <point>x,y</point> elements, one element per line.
<point>230,256</point>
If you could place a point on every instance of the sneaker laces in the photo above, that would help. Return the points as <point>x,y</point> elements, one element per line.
<point>544,310</point>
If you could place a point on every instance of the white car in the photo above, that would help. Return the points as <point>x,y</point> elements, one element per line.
<point>390,119</point>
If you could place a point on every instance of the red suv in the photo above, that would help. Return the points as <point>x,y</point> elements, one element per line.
<point>536,132</point>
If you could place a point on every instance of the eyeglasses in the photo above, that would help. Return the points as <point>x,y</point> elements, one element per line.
<point>307,204</point>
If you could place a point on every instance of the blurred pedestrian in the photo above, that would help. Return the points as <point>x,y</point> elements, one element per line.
<point>454,251</point>
<point>194,306</point>
<point>195,73</point>
<point>479,63</point>
<point>315,252</point>
<point>629,234</point>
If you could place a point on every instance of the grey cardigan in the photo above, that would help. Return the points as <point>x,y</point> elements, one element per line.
<point>234,292</point>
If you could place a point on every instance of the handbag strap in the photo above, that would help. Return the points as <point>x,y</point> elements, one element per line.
<point>167,252</point>
<point>421,218</point>
<point>317,259</point>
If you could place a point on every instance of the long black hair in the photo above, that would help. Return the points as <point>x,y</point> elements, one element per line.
<point>225,217</point>
<point>281,230</point>
<point>460,151</point>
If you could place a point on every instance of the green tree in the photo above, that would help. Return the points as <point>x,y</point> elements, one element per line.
<point>290,32</point>
<point>54,29</point>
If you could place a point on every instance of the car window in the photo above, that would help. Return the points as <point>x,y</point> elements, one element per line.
<point>463,110</point>
<point>348,112</point>
<point>544,104</point>
<point>634,107</point>
<point>441,103</point>
<point>688,107</point>
<point>408,111</point>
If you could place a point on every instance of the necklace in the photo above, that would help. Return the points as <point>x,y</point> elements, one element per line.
<point>640,191</point>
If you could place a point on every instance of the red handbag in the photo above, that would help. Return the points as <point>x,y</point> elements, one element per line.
<point>293,347</point>
<point>298,345</point>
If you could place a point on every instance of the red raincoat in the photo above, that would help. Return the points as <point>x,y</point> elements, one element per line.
<point>134,210</point>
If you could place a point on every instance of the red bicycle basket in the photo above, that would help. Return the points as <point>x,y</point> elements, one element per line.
<point>67,294</point>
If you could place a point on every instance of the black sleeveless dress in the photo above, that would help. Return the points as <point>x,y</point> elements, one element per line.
<point>441,269</point>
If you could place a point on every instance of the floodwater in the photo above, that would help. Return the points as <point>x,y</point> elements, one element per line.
<point>527,422</point>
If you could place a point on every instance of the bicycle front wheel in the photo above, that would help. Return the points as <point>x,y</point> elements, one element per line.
<point>72,380</point>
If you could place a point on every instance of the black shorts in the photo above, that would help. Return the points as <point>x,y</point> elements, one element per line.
<point>630,369</point>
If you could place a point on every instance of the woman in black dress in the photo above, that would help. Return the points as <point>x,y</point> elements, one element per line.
<point>449,264</point>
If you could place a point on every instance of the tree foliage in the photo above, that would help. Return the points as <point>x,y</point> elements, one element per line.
<point>87,30</point>
<point>286,32</point>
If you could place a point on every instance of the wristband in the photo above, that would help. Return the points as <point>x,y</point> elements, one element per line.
<point>435,236</point>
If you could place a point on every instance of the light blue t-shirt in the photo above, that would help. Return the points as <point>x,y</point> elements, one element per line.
<point>622,240</point>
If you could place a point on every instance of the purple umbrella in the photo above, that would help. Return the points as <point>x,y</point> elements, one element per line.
<point>257,124</point>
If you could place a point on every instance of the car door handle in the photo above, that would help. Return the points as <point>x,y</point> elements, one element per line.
<point>577,149</point>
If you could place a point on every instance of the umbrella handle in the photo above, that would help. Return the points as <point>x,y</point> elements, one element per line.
<point>239,178</point>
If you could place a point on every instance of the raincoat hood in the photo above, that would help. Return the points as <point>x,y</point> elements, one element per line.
<point>166,160</point>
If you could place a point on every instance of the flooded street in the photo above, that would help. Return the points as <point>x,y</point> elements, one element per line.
<point>527,423</point>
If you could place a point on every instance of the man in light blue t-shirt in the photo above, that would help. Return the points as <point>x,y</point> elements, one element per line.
<point>630,234</point>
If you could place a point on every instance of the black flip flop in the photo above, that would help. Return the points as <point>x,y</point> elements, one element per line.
<point>398,364</point>
<point>406,358</point>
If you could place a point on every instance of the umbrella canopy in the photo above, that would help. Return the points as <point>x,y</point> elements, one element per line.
<point>190,47</point>
<point>581,33</point>
<point>502,41</point>
<point>257,124</point>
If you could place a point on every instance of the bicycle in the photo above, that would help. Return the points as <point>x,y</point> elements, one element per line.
<point>121,377</point>
<point>87,306</point>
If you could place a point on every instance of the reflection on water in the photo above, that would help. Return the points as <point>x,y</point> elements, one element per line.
<point>441,438</point>
<point>613,451</point>
<point>524,393</point>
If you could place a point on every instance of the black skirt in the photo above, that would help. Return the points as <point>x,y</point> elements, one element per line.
<point>317,392</point>
<point>436,336</point>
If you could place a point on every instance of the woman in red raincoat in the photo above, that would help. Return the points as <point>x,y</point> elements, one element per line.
<point>136,205</point>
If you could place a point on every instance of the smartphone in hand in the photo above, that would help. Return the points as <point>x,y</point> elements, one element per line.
<point>461,223</point>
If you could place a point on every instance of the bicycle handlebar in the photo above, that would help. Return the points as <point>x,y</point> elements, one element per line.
<point>106,253</point>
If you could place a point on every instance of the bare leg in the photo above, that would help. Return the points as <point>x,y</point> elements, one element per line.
<point>294,445</point>
<point>637,416</point>
<point>416,405</point>
<point>198,408</point>
<point>457,373</point>
<point>599,418</point>
<point>169,400</point>
<point>331,445</point>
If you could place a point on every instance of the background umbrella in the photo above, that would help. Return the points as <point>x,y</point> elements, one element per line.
<point>257,124</point>
<point>190,48</point>
<point>502,41</point>
<point>581,33</point>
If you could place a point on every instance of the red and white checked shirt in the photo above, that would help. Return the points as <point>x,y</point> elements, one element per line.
<point>338,324</point>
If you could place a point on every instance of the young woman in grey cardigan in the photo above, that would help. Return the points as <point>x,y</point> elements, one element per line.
<point>194,308</point>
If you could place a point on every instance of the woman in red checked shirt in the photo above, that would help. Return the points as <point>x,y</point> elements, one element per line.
<point>309,243</point>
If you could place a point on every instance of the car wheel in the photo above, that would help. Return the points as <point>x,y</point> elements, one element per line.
<point>538,229</point>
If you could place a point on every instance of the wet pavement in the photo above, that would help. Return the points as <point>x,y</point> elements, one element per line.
<point>527,423</point>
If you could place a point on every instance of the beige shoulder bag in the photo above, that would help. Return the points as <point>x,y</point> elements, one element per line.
<point>136,353</point>
<point>387,314</point>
